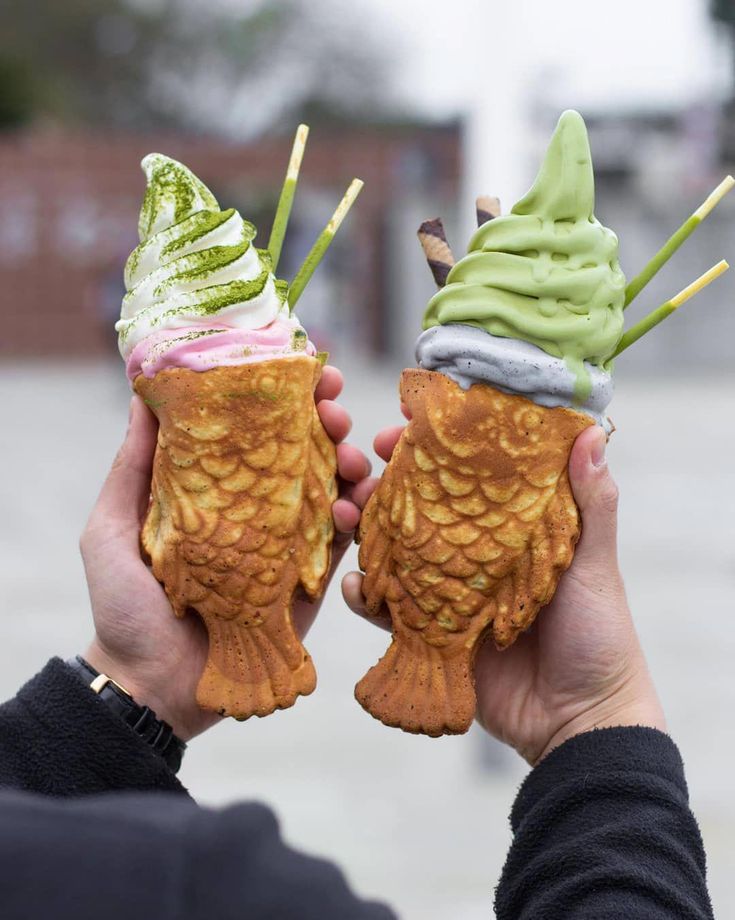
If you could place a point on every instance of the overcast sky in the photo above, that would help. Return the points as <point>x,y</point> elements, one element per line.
<point>578,52</point>
<point>492,60</point>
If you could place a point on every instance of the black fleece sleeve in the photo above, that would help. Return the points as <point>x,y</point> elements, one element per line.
<point>58,738</point>
<point>602,829</point>
<point>128,854</point>
<point>161,856</point>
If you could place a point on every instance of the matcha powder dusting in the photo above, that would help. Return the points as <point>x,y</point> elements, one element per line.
<point>173,192</point>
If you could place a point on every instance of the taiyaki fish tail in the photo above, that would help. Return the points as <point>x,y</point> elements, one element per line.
<point>254,670</point>
<point>421,689</point>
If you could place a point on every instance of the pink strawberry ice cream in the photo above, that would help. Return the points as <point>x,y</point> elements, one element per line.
<point>199,349</point>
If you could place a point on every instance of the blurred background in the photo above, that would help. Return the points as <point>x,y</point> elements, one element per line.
<point>430,105</point>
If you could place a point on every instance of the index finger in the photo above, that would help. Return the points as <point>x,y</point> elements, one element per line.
<point>352,594</point>
<point>386,440</point>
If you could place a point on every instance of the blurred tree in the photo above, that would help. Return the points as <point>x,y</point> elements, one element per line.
<point>205,66</point>
<point>89,59</point>
<point>724,11</point>
<point>16,94</point>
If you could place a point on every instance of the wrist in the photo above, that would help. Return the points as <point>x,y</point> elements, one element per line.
<point>146,688</point>
<point>635,704</point>
<point>156,733</point>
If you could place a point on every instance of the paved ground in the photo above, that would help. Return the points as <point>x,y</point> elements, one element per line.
<point>421,823</point>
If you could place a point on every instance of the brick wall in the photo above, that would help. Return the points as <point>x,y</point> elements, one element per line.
<point>69,205</point>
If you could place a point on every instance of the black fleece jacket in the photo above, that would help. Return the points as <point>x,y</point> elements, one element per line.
<point>92,823</point>
<point>602,830</point>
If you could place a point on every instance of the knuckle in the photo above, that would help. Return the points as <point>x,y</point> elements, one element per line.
<point>84,542</point>
<point>609,496</point>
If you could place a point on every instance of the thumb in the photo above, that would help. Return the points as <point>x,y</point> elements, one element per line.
<point>126,491</point>
<point>597,498</point>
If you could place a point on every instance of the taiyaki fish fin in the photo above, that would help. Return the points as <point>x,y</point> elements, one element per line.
<point>254,669</point>
<point>420,688</point>
<point>316,525</point>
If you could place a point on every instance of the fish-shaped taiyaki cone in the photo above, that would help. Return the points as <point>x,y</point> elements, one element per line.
<point>240,519</point>
<point>466,537</point>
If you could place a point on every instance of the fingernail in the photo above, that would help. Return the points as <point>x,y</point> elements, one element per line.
<point>597,454</point>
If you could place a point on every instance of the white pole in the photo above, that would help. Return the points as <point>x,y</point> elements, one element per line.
<point>496,151</point>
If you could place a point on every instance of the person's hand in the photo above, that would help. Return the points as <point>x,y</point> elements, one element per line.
<point>139,642</point>
<point>580,666</point>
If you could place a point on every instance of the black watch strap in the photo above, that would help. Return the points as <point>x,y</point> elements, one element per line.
<point>141,719</point>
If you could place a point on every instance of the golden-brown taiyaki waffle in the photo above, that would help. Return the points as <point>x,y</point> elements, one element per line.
<point>240,518</point>
<point>467,535</point>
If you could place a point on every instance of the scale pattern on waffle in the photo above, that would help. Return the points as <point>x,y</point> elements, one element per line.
<point>468,532</point>
<point>243,485</point>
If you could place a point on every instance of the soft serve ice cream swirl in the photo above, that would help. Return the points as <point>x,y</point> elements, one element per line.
<point>199,294</point>
<point>548,275</point>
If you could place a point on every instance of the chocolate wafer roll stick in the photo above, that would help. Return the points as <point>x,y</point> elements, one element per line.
<point>487,208</point>
<point>433,241</point>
